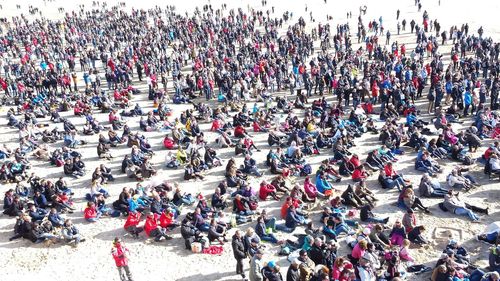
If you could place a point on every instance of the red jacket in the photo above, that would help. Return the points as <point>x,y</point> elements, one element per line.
<point>355,162</point>
<point>120,255</point>
<point>150,224</point>
<point>389,171</point>
<point>133,219</point>
<point>216,124</point>
<point>168,143</point>
<point>90,213</point>
<point>239,131</point>
<point>166,220</point>
<point>358,174</point>
<point>264,191</point>
<point>256,127</point>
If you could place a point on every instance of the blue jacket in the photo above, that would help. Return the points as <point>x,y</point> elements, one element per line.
<point>56,219</point>
<point>40,201</point>
<point>292,219</point>
<point>467,98</point>
<point>322,185</point>
<point>38,214</point>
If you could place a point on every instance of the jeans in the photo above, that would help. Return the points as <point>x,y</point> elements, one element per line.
<point>45,236</point>
<point>203,227</point>
<point>390,184</point>
<point>284,228</point>
<point>342,228</point>
<point>476,275</point>
<point>492,237</point>
<point>271,223</point>
<point>466,212</point>
<point>99,214</point>
<point>246,213</point>
<point>438,193</point>
<point>186,200</point>
<point>269,238</point>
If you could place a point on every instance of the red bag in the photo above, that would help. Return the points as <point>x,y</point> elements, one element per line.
<point>253,205</point>
<point>59,163</point>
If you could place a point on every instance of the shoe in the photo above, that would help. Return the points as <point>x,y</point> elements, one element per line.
<point>386,220</point>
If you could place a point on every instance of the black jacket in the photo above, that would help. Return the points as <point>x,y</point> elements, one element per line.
<point>292,274</point>
<point>238,248</point>
<point>316,254</point>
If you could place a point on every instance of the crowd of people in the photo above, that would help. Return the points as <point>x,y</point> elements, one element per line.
<point>232,67</point>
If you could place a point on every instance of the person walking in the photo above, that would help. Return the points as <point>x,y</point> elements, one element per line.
<point>120,254</point>
<point>239,253</point>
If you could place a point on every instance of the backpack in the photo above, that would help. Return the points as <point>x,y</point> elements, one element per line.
<point>306,170</point>
<point>305,271</point>
<point>467,161</point>
<point>253,205</point>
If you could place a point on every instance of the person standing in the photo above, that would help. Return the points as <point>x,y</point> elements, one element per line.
<point>120,255</point>
<point>256,267</point>
<point>239,252</point>
<point>293,273</point>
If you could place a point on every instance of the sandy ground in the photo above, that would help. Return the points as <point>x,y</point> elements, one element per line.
<point>22,260</point>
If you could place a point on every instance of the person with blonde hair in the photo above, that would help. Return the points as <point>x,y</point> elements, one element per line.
<point>411,201</point>
<point>440,273</point>
<point>404,252</point>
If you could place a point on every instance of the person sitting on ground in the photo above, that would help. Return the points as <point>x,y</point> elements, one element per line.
<point>147,169</point>
<point>55,218</point>
<point>36,214</point>
<point>456,181</point>
<point>430,188</point>
<point>71,234</point>
<point>360,174</point>
<point>267,190</point>
<point>217,232</point>
<point>265,233</point>
<point>250,166</point>
<point>350,198</point>
<point>191,173</point>
<point>293,218</point>
<point>91,214</point>
<point>494,258</point>
<point>310,189</point>
<point>412,201</point>
<point>153,229</point>
<point>378,238</point>
<point>404,253</point>
<point>366,215</point>
<point>398,233</point>
<point>167,219</point>
<point>132,224</point>
<point>415,235</point>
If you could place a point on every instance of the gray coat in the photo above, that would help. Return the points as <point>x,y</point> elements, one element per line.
<point>451,203</point>
<point>255,269</point>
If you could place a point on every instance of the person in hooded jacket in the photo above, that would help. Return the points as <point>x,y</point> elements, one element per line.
<point>120,255</point>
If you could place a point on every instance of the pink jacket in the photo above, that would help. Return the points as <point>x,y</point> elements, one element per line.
<point>310,189</point>
<point>405,255</point>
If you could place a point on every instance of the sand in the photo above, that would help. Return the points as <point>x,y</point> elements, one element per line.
<point>22,260</point>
